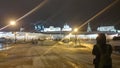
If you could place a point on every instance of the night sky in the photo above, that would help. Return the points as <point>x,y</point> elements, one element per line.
<point>58,12</point>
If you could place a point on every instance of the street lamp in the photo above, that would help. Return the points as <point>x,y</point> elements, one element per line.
<point>15,37</point>
<point>70,36</point>
<point>12,23</point>
<point>26,37</point>
<point>75,30</point>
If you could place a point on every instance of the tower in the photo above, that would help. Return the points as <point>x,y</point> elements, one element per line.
<point>89,28</point>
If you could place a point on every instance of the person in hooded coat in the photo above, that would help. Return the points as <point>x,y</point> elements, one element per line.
<point>102,52</point>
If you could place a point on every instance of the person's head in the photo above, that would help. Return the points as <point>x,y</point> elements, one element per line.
<point>101,38</point>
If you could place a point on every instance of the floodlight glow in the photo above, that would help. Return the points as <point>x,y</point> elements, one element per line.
<point>12,23</point>
<point>75,30</point>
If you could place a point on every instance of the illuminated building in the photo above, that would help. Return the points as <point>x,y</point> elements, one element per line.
<point>52,28</point>
<point>66,28</point>
<point>106,29</point>
<point>40,28</point>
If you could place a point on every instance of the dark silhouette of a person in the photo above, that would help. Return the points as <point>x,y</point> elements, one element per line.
<point>102,52</point>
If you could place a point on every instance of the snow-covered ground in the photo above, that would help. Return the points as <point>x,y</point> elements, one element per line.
<point>59,55</point>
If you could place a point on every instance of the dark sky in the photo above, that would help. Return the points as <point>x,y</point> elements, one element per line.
<point>59,12</point>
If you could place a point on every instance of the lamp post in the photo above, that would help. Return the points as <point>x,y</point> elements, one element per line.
<point>70,36</point>
<point>26,37</point>
<point>15,36</point>
<point>75,30</point>
<point>13,23</point>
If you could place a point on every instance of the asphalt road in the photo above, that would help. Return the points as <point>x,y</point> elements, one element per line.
<point>55,56</point>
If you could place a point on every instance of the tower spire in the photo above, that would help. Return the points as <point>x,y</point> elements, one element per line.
<point>89,28</point>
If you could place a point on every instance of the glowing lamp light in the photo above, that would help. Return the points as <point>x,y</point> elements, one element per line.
<point>75,30</point>
<point>12,23</point>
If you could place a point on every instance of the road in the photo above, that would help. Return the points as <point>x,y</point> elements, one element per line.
<point>55,56</point>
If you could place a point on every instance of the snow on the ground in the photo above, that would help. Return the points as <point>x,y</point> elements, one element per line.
<point>61,55</point>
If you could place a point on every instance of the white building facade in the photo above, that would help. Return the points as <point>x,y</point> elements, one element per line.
<point>106,29</point>
<point>52,28</point>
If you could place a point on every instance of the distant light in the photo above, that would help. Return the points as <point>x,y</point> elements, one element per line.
<point>75,30</point>
<point>12,23</point>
